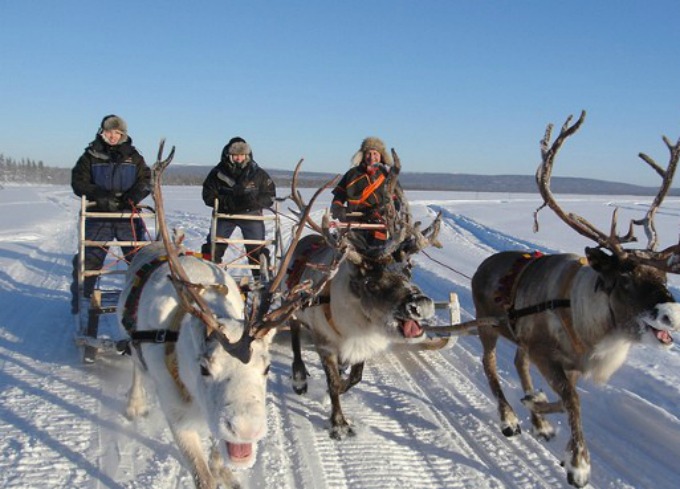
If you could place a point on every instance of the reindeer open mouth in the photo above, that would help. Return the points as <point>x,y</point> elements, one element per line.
<point>410,328</point>
<point>239,453</point>
<point>664,319</point>
<point>663,336</point>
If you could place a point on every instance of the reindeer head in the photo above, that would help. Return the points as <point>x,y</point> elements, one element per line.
<point>382,292</point>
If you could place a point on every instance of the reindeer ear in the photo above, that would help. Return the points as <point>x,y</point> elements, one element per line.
<point>600,261</point>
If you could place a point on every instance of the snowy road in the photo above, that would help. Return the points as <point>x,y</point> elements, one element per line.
<point>423,420</point>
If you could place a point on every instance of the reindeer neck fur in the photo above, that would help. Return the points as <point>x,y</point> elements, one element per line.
<point>609,342</point>
<point>347,330</point>
<point>605,343</point>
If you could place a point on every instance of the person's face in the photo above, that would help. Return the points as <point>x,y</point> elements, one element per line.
<point>112,137</point>
<point>371,157</point>
<point>239,158</point>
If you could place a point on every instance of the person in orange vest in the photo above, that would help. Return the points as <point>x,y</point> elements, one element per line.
<point>361,195</point>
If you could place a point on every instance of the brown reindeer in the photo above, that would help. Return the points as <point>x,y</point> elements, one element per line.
<point>573,316</point>
<point>367,300</point>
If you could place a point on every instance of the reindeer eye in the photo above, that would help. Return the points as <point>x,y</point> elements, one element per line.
<point>205,371</point>
<point>371,285</point>
<point>266,369</point>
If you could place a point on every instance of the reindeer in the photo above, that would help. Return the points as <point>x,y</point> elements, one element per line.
<point>367,299</point>
<point>573,316</point>
<point>207,361</point>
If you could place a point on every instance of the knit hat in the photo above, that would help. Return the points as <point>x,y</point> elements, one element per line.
<point>114,123</point>
<point>372,143</point>
<point>239,148</point>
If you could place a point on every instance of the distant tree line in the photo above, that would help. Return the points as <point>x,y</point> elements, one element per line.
<point>34,172</point>
<point>27,170</point>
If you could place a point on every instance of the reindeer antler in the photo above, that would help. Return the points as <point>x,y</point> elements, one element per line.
<point>613,242</point>
<point>186,291</point>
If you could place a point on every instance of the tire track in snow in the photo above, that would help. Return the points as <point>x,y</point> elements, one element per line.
<point>520,462</point>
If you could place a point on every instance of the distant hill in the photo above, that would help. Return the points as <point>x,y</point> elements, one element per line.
<point>194,175</point>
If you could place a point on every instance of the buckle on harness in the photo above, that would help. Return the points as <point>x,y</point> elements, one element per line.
<point>160,336</point>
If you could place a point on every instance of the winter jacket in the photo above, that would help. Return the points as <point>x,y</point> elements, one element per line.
<point>239,189</point>
<point>362,189</point>
<point>111,176</point>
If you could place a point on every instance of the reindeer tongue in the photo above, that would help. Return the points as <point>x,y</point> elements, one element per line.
<point>239,452</point>
<point>663,336</point>
<point>411,329</point>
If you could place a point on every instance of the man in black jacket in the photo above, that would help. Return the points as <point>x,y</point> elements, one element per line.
<point>241,187</point>
<point>112,174</point>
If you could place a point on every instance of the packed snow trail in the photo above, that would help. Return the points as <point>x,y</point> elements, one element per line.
<point>423,420</point>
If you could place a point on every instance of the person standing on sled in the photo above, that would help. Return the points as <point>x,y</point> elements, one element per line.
<point>241,187</point>
<point>361,195</point>
<point>112,174</point>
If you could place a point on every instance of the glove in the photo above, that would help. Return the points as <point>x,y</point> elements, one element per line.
<point>338,212</point>
<point>131,196</point>
<point>108,204</point>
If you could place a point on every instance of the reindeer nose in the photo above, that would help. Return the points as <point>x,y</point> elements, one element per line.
<point>419,306</point>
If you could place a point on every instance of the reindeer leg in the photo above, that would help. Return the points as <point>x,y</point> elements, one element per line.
<point>577,460</point>
<point>541,427</point>
<point>354,377</point>
<point>339,425</point>
<point>509,421</point>
<point>299,370</point>
<point>189,444</point>
<point>137,403</point>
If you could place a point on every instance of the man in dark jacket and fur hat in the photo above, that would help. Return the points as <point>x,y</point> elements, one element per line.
<point>112,174</point>
<point>241,187</point>
<point>361,194</point>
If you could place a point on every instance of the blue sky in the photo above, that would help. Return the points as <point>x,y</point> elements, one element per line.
<point>454,86</point>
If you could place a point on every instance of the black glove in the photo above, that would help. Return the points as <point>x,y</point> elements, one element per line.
<point>133,196</point>
<point>108,204</point>
<point>338,212</point>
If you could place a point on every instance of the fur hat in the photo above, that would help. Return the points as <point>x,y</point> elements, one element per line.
<point>239,148</point>
<point>114,123</point>
<point>375,144</point>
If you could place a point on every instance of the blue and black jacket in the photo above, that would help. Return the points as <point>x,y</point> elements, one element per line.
<point>111,173</point>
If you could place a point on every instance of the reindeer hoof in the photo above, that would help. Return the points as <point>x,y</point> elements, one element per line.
<point>511,430</point>
<point>299,384</point>
<point>545,433</point>
<point>340,432</point>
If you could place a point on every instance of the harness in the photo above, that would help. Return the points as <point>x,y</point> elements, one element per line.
<point>322,299</point>
<point>167,336</point>
<point>506,295</point>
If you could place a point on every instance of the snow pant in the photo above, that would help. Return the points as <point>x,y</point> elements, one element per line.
<point>104,230</point>
<point>249,229</point>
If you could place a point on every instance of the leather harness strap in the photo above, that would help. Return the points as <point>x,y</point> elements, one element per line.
<point>576,342</point>
<point>171,353</point>
<point>557,305</point>
<point>329,317</point>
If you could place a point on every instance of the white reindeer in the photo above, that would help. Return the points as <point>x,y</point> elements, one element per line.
<point>202,389</point>
<point>206,361</point>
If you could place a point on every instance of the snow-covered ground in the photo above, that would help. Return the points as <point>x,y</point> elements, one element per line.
<point>424,420</point>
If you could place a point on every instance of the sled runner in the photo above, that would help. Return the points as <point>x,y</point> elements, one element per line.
<point>108,284</point>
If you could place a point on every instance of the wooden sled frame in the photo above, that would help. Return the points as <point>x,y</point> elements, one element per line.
<point>103,301</point>
<point>271,215</point>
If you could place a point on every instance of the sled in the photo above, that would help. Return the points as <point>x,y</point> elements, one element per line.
<point>236,259</point>
<point>107,289</point>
